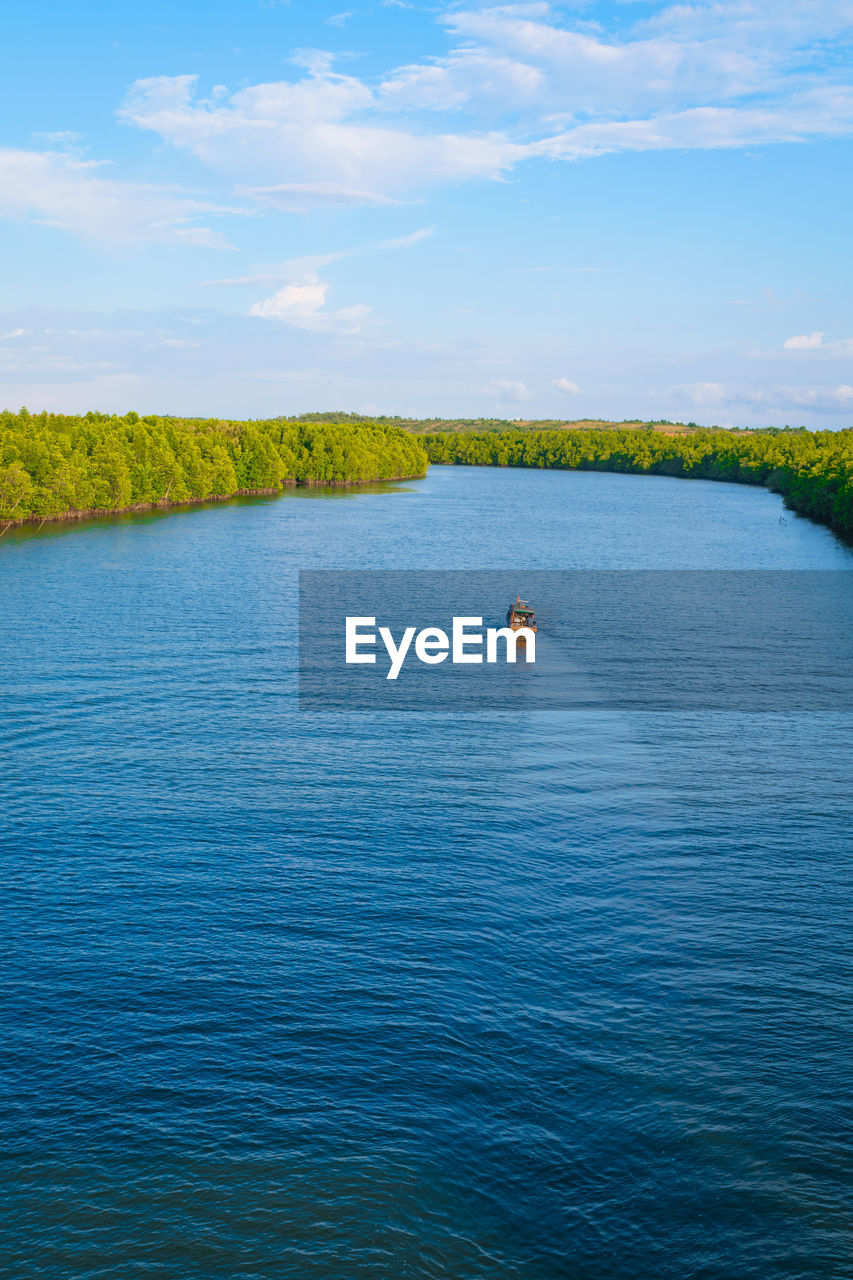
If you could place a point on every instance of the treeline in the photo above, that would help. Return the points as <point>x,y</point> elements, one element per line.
<point>58,465</point>
<point>54,465</point>
<point>812,470</point>
<point>419,425</point>
<point>415,424</point>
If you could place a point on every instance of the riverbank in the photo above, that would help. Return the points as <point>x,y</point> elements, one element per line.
<point>62,467</point>
<point>97,513</point>
<point>811,470</point>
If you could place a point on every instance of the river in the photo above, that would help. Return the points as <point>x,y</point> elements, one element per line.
<point>368,995</point>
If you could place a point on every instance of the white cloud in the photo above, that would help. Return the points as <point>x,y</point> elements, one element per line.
<point>12,333</point>
<point>704,53</point>
<point>180,344</point>
<point>704,393</point>
<point>310,143</point>
<point>299,197</point>
<point>518,83</point>
<point>304,305</point>
<point>513,392</point>
<point>407,242</point>
<point>300,299</point>
<point>202,237</point>
<point>820,113</point>
<point>463,79</point>
<point>582,71</point>
<point>63,191</point>
<point>803,342</point>
<point>701,75</point>
<point>298,303</point>
<point>61,138</point>
<point>778,399</point>
<point>566,385</point>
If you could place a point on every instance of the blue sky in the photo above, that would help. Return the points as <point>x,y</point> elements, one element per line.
<point>251,207</point>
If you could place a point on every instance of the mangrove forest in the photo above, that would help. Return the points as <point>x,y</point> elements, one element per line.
<point>55,466</point>
<point>812,470</point>
<point>58,466</point>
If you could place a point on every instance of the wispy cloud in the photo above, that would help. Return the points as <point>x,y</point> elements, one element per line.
<point>300,298</point>
<point>566,386</point>
<point>819,113</point>
<point>311,142</point>
<point>66,138</point>
<point>409,241</point>
<point>300,197</point>
<point>518,83</point>
<point>508,390</point>
<point>59,190</point>
<point>828,400</point>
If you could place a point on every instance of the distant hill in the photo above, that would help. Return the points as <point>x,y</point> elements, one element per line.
<point>423,425</point>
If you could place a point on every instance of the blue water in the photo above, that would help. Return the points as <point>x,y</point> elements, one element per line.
<point>367,996</point>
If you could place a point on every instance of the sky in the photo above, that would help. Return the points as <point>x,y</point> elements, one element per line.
<point>246,208</point>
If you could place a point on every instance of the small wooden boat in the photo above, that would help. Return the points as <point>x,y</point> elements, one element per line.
<point>520,615</point>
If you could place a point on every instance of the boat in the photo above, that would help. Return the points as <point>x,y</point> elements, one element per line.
<point>520,615</point>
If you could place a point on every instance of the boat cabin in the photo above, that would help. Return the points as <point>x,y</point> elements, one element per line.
<point>520,615</point>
